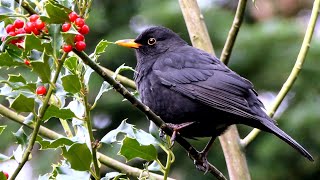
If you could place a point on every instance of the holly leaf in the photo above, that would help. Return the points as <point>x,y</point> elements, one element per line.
<point>22,104</point>
<point>4,157</point>
<point>112,175</point>
<point>2,128</point>
<point>42,68</point>
<point>54,144</point>
<point>65,172</point>
<point>105,87</point>
<point>56,43</point>
<point>124,127</point>
<point>141,136</point>
<point>131,149</point>
<point>71,64</point>
<point>71,83</point>
<point>21,137</point>
<point>100,48</point>
<point>79,156</point>
<point>77,108</point>
<point>54,111</point>
<point>18,153</point>
<point>154,166</point>
<point>120,69</point>
<point>32,42</point>
<point>7,61</point>
<point>57,13</point>
<point>17,78</point>
<point>68,36</point>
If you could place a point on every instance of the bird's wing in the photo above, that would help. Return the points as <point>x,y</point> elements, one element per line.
<point>204,78</point>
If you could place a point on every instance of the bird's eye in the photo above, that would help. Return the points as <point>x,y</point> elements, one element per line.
<point>151,41</point>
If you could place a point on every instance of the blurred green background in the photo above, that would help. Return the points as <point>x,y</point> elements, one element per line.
<point>264,53</point>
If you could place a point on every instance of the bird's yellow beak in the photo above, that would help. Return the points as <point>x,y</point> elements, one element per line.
<point>128,43</point>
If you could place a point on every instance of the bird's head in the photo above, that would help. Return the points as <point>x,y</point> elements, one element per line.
<point>153,41</point>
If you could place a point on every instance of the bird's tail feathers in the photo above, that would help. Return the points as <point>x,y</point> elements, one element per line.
<point>285,137</point>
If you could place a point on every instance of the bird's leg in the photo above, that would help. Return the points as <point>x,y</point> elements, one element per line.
<point>202,163</point>
<point>176,128</point>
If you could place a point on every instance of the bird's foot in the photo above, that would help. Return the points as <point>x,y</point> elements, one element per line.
<point>201,162</point>
<point>176,128</point>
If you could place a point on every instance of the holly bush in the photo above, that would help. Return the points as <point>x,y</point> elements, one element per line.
<point>47,81</point>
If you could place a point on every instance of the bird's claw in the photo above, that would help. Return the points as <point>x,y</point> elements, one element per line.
<point>176,128</point>
<point>202,163</point>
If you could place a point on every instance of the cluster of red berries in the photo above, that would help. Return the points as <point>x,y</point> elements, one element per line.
<point>82,28</point>
<point>34,25</point>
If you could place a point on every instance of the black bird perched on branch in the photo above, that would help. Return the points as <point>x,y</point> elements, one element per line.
<point>193,91</point>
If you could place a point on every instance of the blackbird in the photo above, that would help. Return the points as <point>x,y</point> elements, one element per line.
<point>193,91</point>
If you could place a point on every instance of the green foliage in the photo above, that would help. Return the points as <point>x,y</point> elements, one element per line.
<point>22,104</point>
<point>131,149</point>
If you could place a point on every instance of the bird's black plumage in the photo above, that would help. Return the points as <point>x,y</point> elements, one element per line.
<point>183,84</point>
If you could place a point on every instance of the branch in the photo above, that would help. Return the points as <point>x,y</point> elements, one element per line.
<point>230,140</point>
<point>295,71</point>
<point>105,160</point>
<point>146,110</point>
<point>26,6</point>
<point>124,80</point>
<point>197,28</point>
<point>231,39</point>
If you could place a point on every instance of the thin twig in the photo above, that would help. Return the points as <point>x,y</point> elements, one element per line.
<point>145,109</point>
<point>231,39</point>
<point>295,70</point>
<point>26,6</point>
<point>90,131</point>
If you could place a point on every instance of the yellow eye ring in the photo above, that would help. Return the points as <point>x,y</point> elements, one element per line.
<point>152,41</point>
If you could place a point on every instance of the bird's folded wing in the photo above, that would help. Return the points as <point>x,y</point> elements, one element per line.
<point>212,84</point>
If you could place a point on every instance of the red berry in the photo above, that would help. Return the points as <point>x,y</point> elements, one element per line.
<point>41,90</point>
<point>34,17</point>
<point>10,28</point>
<point>18,23</point>
<point>80,45</point>
<point>67,48</point>
<point>20,31</point>
<point>36,31</point>
<point>5,174</point>
<point>79,22</point>
<point>29,27</point>
<point>84,29</point>
<point>73,16</point>
<point>27,62</point>
<point>66,27</point>
<point>39,24</point>
<point>12,34</point>
<point>78,37</point>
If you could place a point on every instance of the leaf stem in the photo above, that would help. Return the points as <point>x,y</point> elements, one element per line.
<point>66,128</point>
<point>94,145</point>
<point>88,121</point>
<point>294,72</point>
<point>170,160</point>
